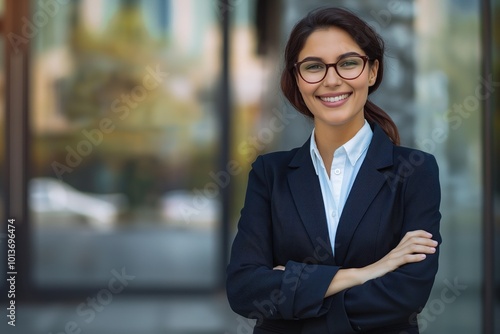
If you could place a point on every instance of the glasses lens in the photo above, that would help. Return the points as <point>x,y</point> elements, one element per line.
<point>312,71</point>
<point>350,68</point>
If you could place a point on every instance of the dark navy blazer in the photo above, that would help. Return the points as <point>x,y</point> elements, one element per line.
<point>283,222</point>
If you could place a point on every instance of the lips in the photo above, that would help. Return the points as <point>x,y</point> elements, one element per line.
<point>336,98</point>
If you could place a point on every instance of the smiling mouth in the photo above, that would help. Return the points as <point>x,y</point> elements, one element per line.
<point>334,98</point>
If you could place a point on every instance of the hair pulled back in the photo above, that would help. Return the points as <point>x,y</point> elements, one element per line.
<point>367,39</point>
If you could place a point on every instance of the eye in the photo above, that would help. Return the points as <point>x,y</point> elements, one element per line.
<point>350,62</point>
<point>313,66</point>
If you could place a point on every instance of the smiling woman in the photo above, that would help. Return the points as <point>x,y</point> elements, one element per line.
<point>378,240</point>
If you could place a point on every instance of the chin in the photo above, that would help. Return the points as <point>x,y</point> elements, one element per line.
<point>339,120</point>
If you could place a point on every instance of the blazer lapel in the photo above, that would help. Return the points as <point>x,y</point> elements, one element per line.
<point>366,186</point>
<point>306,193</point>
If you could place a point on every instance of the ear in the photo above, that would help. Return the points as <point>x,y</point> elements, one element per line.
<point>372,75</point>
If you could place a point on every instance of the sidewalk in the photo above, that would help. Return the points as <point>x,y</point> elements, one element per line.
<point>130,315</point>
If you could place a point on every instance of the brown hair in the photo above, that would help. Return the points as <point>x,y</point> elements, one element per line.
<point>364,35</point>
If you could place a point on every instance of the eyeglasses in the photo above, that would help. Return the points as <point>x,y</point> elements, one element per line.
<point>349,68</point>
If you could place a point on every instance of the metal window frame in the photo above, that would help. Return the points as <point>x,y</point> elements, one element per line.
<point>488,226</point>
<point>16,65</point>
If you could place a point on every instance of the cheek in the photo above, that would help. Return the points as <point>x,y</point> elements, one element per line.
<point>306,90</point>
<point>361,85</point>
<point>307,93</point>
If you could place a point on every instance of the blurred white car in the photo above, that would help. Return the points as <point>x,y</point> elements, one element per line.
<point>54,202</point>
<point>188,209</point>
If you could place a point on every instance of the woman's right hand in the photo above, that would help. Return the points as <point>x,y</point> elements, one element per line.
<point>412,248</point>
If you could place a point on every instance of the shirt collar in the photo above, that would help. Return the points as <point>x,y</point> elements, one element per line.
<point>354,148</point>
<point>315,156</point>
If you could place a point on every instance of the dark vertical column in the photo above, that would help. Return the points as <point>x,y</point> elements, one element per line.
<point>488,223</point>
<point>17,41</point>
<point>225,117</point>
<point>495,154</point>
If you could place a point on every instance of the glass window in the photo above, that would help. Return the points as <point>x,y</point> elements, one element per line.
<point>449,107</point>
<point>124,136</point>
<point>247,90</point>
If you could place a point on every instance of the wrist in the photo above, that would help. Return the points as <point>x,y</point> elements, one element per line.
<point>373,271</point>
<point>363,274</point>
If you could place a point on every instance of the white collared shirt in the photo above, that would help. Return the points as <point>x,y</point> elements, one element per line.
<point>347,160</point>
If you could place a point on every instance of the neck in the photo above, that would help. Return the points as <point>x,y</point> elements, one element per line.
<point>329,138</point>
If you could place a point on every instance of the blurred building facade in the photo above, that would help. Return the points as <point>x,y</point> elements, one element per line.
<point>126,150</point>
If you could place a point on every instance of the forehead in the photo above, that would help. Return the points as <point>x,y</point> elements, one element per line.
<point>328,44</point>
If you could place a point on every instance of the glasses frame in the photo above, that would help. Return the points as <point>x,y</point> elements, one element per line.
<point>334,65</point>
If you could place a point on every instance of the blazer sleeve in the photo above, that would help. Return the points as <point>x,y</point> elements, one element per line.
<point>254,289</point>
<point>398,296</point>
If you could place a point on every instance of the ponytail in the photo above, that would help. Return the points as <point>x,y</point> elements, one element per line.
<point>374,114</point>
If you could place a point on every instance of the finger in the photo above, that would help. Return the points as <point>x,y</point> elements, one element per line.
<point>396,262</point>
<point>411,249</point>
<point>418,240</point>
<point>412,258</point>
<point>414,249</point>
<point>422,241</point>
<point>417,233</point>
<point>279,268</point>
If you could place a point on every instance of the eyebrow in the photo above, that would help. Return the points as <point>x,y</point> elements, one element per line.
<point>342,56</point>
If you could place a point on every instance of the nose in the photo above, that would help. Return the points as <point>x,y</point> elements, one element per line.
<point>332,78</point>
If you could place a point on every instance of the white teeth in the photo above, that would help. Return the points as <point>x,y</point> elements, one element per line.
<point>335,99</point>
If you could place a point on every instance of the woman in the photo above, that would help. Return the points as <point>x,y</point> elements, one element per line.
<point>340,235</point>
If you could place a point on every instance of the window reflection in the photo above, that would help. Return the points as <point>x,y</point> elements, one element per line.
<point>449,127</point>
<point>124,135</point>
